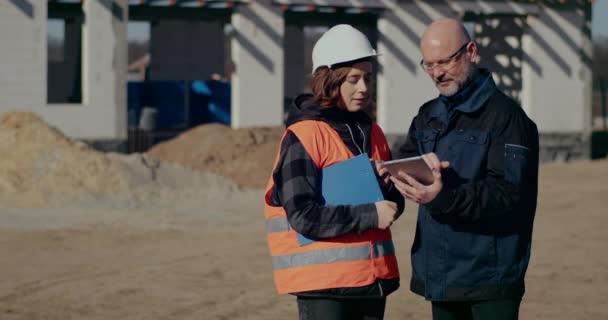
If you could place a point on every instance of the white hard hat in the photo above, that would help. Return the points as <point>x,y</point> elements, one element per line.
<point>341,43</point>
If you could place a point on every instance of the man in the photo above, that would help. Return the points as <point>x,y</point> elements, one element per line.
<point>474,229</point>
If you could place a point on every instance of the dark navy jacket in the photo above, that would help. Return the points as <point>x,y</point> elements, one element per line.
<point>473,240</point>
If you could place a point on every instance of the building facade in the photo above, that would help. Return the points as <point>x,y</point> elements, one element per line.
<point>539,51</point>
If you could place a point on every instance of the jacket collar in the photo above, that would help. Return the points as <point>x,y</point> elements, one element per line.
<point>469,99</point>
<point>304,108</point>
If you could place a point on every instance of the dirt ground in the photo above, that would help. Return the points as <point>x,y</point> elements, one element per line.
<point>197,249</point>
<point>209,260</point>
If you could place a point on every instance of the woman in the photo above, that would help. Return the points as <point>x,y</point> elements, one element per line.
<point>329,278</point>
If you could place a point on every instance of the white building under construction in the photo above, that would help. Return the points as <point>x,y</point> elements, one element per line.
<point>539,51</point>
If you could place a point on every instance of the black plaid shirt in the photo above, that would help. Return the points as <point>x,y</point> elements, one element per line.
<point>297,188</point>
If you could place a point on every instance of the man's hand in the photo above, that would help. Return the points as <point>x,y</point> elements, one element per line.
<point>416,191</point>
<point>381,171</point>
<point>387,213</point>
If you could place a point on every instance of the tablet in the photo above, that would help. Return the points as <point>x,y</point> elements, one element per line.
<point>414,166</point>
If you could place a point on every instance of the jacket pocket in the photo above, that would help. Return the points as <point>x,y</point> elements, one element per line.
<point>472,137</point>
<point>426,140</point>
<point>512,257</point>
<point>516,159</point>
<point>471,257</point>
<point>468,152</point>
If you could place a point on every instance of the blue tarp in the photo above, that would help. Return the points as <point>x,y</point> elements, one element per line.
<point>210,102</point>
<point>180,104</point>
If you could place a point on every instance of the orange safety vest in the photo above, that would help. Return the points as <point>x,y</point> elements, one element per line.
<point>351,260</point>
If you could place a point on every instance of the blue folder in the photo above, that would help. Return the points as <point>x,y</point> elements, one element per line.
<point>350,182</point>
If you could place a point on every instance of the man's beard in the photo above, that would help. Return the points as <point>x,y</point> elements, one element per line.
<point>458,83</point>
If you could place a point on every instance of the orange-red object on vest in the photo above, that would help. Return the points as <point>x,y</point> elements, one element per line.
<point>351,260</point>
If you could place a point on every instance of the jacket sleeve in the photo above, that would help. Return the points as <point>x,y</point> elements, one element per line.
<point>510,180</point>
<point>297,184</point>
<point>410,147</point>
<point>391,193</point>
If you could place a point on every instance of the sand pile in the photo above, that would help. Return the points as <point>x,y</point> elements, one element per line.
<point>41,167</point>
<point>245,156</point>
<point>160,183</point>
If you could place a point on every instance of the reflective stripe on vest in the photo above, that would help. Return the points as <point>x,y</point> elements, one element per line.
<point>323,256</point>
<point>277,225</point>
<point>282,225</point>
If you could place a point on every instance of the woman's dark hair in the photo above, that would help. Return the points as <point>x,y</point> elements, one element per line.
<point>325,83</point>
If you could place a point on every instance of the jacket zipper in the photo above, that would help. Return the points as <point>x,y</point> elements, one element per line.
<point>353,137</point>
<point>360,152</point>
<point>362,134</point>
<point>437,136</point>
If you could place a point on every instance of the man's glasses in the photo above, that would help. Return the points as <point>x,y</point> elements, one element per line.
<point>444,64</point>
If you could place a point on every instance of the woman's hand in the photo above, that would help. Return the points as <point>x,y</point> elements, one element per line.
<point>382,172</point>
<point>387,213</point>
